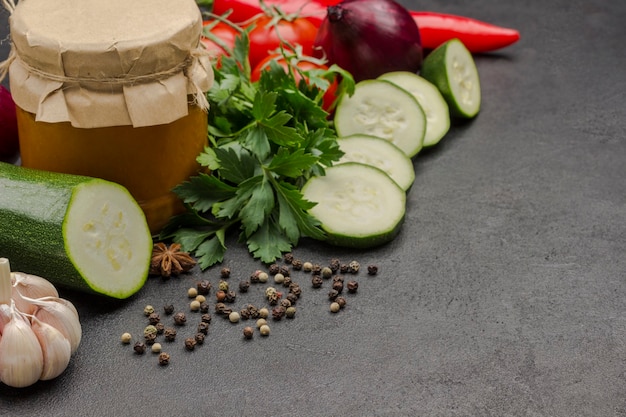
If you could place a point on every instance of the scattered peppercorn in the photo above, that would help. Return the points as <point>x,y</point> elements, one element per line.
<point>244,313</point>
<point>169,334</point>
<point>307,266</point>
<point>339,278</point>
<point>338,286</point>
<point>264,330</point>
<point>273,269</point>
<point>278,312</point>
<point>295,289</point>
<point>204,287</point>
<point>194,305</point>
<point>333,294</point>
<point>254,312</point>
<point>139,348</point>
<point>156,348</point>
<point>344,268</point>
<point>204,307</point>
<point>285,303</point>
<point>279,278</point>
<point>192,292</point>
<point>372,269</point>
<point>297,264</point>
<point>260,322</point>
<point>316,281</point>
<point>160,327</point>
<point>264,313</point>
<point>248,332</point>
<point>223,285</point>
<point>126,338</point>
<point>341,301</point>
<point>290,312</point>
<point>234,317</point>
<point>334,307</point>
<point>288,257</point>
<point>199,338</point>
<point>263,277</point>
<point>150,329</point>
<point>168,309</point>
<point>334,265</point>
<point>244,286</point>
<point>190,343</point>
<point>316,269</point>
<point>203,327</point>
<point>353,286</point>
<point>180,318</point>
<point>206,318</point>
<point>326,272</point>
<point>292,298</point>
<point>164,359</point>
<point>284,269</point>
<point>287,281</point>
<point>200,298</point>
<point>154,318</point>
<point>273,298</point>
<point>230,296</point>
<point>225,272</point>
<point>254,277</point>
<point>147,310</point>
<point>150,338</point>
<point>220,308</point>
<point>354,267</point>
<point>220,295</point>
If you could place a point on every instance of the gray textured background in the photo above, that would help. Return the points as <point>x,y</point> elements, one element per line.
<point>504,295</point>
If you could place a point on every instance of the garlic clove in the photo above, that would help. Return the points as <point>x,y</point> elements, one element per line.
<point>21,357</point>
<point>61,315</point>
<point>56,349</point>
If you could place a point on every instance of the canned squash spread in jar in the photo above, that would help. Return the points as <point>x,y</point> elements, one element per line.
<point>112,89</point>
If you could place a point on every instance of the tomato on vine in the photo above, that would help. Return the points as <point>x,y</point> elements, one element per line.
<point>218,38</point>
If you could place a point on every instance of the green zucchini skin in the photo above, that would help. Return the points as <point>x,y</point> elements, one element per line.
<point>33,212</point>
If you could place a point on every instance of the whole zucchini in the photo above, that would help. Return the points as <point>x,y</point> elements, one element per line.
<point>82,233</point>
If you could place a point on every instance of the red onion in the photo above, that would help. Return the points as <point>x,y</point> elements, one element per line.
<point>370,37</point>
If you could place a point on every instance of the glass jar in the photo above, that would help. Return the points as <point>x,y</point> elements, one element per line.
<point>113,90</point>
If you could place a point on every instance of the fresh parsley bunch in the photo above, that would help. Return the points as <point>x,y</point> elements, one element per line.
<point>267,138</point>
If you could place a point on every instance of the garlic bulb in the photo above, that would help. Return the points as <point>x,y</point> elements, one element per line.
<point>39,331</point>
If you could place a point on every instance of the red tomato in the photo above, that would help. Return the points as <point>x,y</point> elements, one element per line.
<point>225,33</point>
<point>266,37</point>
<point>329,95</point>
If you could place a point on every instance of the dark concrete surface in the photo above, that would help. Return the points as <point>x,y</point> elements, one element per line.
<point>504,295</point>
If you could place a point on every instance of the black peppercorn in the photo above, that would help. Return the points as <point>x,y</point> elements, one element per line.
<point>254,278</point>
<point>203,327</point>
<point>180,318</point>
<point>287,281</point>
<point>284,269</point>
<point>170,334</point>
<point>139,348</point>
<point>316,269</point>
<point>296,264</point>
<point>288,258</point>
<point>199,338</point>
<point>219,308</point>
<point>372,269</point>
<point>164,358</point>
<point>206,317</point>
<point>154,318</point>
<point>292,298</point>
<point>278,312</point>
<point>204,287</point>
<point>285,303</point>
<point>254,312</point>
<point>160,327</point>
<point>316,281</point>
<point>338,286</point>
<point>339,278</point>
<point>273,298</point>
<point>273,269</point>
<point>341,301</point>
<point>225,272</point>
<point>204,307</point>
<point>344,268</point>
<point>244,314</point>
<point>334,265</point>
<point>353,286</point>
<point>244,286</point>
<point>295,289</point>
<point>150,338</point>
<point>168,309</point>
<point>190,343</point>
<point>332,294</point>
<point>230,296</point>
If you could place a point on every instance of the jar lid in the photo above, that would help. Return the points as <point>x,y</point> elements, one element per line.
<point>101,63</point>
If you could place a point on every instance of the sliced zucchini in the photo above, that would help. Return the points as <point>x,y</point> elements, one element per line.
<point>452,69</point>
<point>380,153</point>
<point>381,108</point>
<point>431,100</point>
<point>81,233</point>
<point>358,205</point>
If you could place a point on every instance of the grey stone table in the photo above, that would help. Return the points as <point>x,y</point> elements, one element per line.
<point>504,294</point>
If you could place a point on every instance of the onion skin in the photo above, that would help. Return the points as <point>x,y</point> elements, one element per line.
<point>369,38</point>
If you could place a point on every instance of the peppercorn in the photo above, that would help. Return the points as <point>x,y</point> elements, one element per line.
<point>344,268</point>
<point>285,303</point>
<point>307,266</point>
<point>220,295</point>
<point>147,310</point>
<point>372,269</point>
<point>290,312</point>
<point>263,277</point>
<point>316,269</point>
<point>284,269</point>
<point>254,312</point>
<point>254,277</point>
<point>154,318</point>
<point>279,278</point>
<point>339,278</point>
<point>204,307</point>
<point>190,343</point>
<point>200,298</point>
<point>126,338</point>
<point>206,318</point>
<point>341,301</point>
<point>278,312</point>
<point>192,292</point>
<point>230,296</point>
<point>264,313</point>
<point>226,311</point>
<point>139,348</point>
<point>248,332</point>
<point>170,334</point>
<point>199,338</point>
<point>244,286</point>
<point>273,269</point>
<point>156,348</point>
<point>292,298</point>
<point>160,327</point>
<point>295,289</point>
<point>273,298</point>
<point>150,338</point>
<point>203,327</point>
<point>164,359</point>
<point>264,330</point>
<point>225,272</point>
<point>219,308</point>
<point>288,257</point>
<point>150,329</point>
<point>334,307</point>
<point>326,272</point>
<point>180,318</point>
<point>338,285</point>
<point>204,287</point>
<point>234,317</point>
<point>223,285</point>
<point>168,309</point>
<point>297,264</point>
<point>354,267</point>
<point>316,281</point>
<point>333,294</point>
<point>194,305</point>
<point>334,265</point>
<point>287,281</point>
<point>353,286</point>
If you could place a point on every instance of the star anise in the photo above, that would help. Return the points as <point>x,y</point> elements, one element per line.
<point>169,261</point>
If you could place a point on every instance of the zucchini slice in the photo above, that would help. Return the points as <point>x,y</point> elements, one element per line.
<point>358,205</point>
<point>381,108</point>
<point>380,153</point>
<point>431,100</point>
<point>81,233</point>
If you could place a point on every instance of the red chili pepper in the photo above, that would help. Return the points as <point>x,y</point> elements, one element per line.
<point>478,36</point>
<point>243,10</point>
